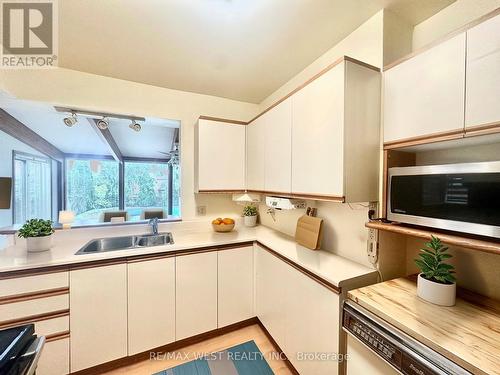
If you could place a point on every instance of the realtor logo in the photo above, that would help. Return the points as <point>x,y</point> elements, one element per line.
<point>29,34</point>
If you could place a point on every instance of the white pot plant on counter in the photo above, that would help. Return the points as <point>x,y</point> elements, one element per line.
<point>436,282</point>
<point>38,234</point>
<point>250,214</point>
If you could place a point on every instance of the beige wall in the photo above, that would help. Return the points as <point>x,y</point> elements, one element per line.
<point>92,92</point>
<point>451,18</point>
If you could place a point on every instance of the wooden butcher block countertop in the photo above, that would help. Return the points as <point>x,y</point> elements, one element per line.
<point>467,333</point>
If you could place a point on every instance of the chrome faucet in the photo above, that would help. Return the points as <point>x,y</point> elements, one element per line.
<point>154,225</point>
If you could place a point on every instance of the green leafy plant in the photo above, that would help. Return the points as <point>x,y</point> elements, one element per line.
<point>431,262</point>
<point>249,210</point>
<point>36,228</point>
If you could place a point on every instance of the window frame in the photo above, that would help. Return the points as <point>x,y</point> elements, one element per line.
<point>27,155</point>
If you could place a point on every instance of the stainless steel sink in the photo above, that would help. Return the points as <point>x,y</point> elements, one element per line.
<point>101,245</point>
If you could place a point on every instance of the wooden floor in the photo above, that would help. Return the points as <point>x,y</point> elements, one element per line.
<point>215,344</point>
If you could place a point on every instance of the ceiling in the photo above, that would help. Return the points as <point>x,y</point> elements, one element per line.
<point>239,49</point>
<point>153,141</point>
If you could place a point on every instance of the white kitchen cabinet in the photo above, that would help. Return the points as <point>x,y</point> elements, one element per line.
<point>425,95</point>
<point>98,317</point>
<point>54,359</point>
<point>278,150</point>
<point>151,304</point>
<point>196,294</point>
<point>219,156</point>
<point>255,158</point>
<point>312,325</point>
<point>235,285</point>
<point>335,134</point>
<point>483,74</point>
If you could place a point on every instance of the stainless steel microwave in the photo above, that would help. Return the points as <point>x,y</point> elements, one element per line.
<point>458,197</point>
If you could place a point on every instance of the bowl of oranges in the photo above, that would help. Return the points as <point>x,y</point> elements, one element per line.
<point>223,225</point>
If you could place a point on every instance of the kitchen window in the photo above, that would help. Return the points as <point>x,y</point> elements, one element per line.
<point>32,187</point>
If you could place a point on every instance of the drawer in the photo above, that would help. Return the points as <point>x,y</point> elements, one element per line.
<point>30,284</point>
<point>52,326</point>
<point>27,308</point>
<point>55,358</point>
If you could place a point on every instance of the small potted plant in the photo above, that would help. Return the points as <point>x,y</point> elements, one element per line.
<point>38,234</point>
<point>250,214</point>
<point>436,282</point>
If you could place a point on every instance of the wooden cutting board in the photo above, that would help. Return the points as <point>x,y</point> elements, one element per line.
<point>308,232</point>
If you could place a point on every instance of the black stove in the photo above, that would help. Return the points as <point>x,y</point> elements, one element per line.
<point>20,350</point>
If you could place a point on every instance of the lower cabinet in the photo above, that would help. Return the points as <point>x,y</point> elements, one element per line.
<point>98,315</point>
<point>151,304</point>
<point>55,358</point>
<point>300,314</point>
<point>235,285</point>
<point>196,294</point>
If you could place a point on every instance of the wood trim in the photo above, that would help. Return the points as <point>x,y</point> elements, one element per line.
<point>143,258</point>
<point>361,63</point>
<point>126,361</point>
<point>425,139</point>
<point>443,39</point>
<point>109,141</point>
<point>221,191</point>
<point>292,369</point>
<point>490,128</point>
<point>15,128</point>
<point>385,181</point>
<point>33,272</point>
<point>57,336</point>
<point>219,119</point>
<point>318,279</point>
<point>319,197</point>
<point>33,318</point>
<point>33,295</point>
<point>473,243</point>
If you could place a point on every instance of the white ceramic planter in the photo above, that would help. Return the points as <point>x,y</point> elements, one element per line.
<point>250,221</point>
<point>436,293</point>
<point>38,244</point>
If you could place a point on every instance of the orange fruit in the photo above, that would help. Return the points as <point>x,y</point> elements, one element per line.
<point>228,221</point>
<point>216,221</point>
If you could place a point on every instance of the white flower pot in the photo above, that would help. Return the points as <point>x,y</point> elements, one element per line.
<point>38,244</point>
<point>436,293</point>
<point>251,221</point>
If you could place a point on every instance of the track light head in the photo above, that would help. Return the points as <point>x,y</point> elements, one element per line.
<point>135,126</point>
<point>103,123</point>
<point>70,120</point>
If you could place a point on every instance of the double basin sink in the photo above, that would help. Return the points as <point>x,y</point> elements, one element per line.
<point>102,245</point>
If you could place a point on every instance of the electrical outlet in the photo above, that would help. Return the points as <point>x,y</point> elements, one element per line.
<point>372,246</point>
<point>201,210</point>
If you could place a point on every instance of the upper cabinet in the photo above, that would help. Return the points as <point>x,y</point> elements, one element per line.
<point>424,95</point>
<point>483,74</point>
<point>219,156</point>
<point>255,158</point>
<point>336,134</point>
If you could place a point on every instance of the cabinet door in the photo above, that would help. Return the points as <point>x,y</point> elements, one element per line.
<point>196,294</point>
<point>271,293</point>
<point>54,359</point>
<point>256,154</point>
<point>312,325</point>
<point>151,304</point>
<point>278,150</point>
<point>221,156</point>
<point>98,319</point>
<point>317,135</point>
<point>483,74</point>
<point>235,286</point>
<point>425,94</point>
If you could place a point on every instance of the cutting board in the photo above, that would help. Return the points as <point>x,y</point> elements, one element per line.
<point>308,232</point>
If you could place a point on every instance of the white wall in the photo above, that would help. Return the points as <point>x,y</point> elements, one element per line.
<point>7,145</point>
<point>449,19</point>
<point>88,91</point>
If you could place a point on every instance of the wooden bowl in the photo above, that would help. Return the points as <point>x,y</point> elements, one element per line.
<point>223,227</point>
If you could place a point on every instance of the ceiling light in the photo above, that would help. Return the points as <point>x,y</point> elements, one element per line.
<point>103,123</point>
<point>135,126</point>
<point>70,120</point>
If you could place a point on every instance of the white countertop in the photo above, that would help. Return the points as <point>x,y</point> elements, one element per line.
<point>187,235</point>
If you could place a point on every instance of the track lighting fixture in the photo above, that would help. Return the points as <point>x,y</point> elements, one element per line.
<point>70,120</point>
<point>103,123</point>
<point>135,126</point>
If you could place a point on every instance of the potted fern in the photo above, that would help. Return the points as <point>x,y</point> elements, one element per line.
<point>436,282</point>
<point>38,234</point>
<point>250,214</point>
